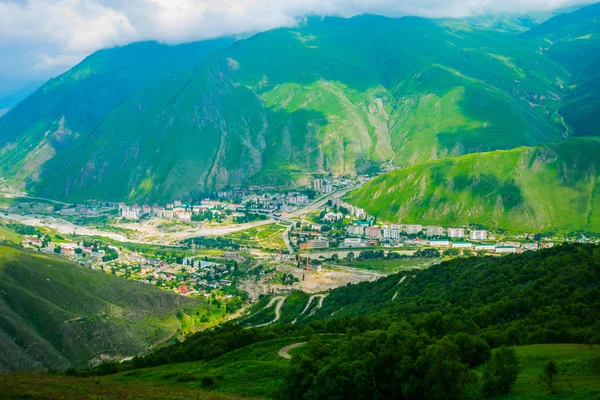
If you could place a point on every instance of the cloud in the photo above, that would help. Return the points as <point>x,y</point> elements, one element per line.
<point>41,38</point>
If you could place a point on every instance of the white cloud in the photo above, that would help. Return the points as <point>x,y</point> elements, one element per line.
<point>52,35</point>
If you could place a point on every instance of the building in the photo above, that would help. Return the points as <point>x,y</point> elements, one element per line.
<point>333,217</point>
<point>485,247</point>
<point>462,245</point>
<point>358,230</point>
<point>353,243</point>
<point>318,244</point>
<point>318,185</point>
<point>478,234</point>
<point>327,187</point>
<point>316,227</point>
<point>531,246</point>
<point>130,213</point>
<point>177,203</point>
<point>506,249</point>
<point>439,243</point>
<point>146,209</point>
<point>435,231</point>
<point>373,232</point>
<point>232,255</point>
<point>391,233</point>
<point>414,229</point>
<point>456,233</point>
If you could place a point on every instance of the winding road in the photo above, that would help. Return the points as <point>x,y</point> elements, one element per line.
<point>281,300</point>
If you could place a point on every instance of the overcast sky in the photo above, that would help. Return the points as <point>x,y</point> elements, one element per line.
<point>42,38</point>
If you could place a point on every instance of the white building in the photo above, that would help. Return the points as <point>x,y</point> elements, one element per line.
<point>439,243</point>
<point>332,217</point>
<point>414,229</point>
<point>358,230</point>
<point>318,185</point>
<point>353,242</point>
<point>485,247</point>
<point>462,245</point>
<point>435,231</point>
<point>391,233</point>
<point>506,249</point>
<point>456,233</point>
<point>478,234</point>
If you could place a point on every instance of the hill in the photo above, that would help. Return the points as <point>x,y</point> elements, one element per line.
<point>422,337</point>
<point>573,40</point>
<point>551,187</point>
<point>331,95</point>
<point>55,314</point>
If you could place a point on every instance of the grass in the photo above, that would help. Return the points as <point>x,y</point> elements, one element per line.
<point>47,387</point>
<point>254,371</point>
<point>529,189</point>
<point>265,237</point>
<point>59,314</point>
<point>578,372</point>
<point>389,266</point>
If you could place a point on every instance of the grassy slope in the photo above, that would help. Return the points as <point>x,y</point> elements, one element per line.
<point>256,371</point>
<point>550,187</point>
<point>54,314</point>
<point>333,95</point>
<point>573,40</point>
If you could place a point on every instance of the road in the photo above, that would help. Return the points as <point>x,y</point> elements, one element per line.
<point>281,300</point>
<point>308,303</point>
<point>284,352</point>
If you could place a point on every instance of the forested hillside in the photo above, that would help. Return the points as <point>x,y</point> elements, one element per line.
<point>549,188</point>
<point>56,315</point>
<point>332,95</point>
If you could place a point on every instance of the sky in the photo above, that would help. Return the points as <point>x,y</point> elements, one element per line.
<point>40,39</point>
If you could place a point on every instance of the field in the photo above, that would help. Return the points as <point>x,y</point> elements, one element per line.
<point>389,266</point>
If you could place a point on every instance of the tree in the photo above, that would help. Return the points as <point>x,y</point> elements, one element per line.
<point>335,257</point>
<point>57,250</point>
<point>548,378</point>
<point>500,373</point>
<point>350,256</point>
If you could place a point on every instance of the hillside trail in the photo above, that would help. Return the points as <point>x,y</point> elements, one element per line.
<point>284,352</point>
<point>308,303</point>
<point>396,294</point>
<point>281,300</point>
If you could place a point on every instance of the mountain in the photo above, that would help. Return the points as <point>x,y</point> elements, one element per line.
<point>329,96</point>
<point>55,314</point>
<point>573,40</point>
<point>550,187</point>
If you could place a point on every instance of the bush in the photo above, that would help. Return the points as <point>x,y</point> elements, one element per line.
<point>207,381</point>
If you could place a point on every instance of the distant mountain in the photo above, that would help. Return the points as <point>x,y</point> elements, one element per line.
<point>535,189</point>
<point>12,94</point>
<point>149,122</point>
<point>573,40</point>
<point>55,314</point>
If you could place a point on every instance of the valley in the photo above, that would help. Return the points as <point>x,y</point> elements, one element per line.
<point>344,207</point>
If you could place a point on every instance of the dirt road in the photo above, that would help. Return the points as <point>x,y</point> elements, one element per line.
<point>284,352</point>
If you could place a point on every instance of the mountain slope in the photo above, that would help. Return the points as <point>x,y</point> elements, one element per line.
<point>332,95</point>
<point>573,40</point>
<point>550,187</point>
<point>55,314</point>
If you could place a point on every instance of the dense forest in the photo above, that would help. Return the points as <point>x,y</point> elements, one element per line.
<point>420,334</point>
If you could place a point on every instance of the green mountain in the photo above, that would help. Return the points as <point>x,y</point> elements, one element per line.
<point>573,40</point>
<point>545,188</point>
<point>55,314</point>
<point>331,95</point>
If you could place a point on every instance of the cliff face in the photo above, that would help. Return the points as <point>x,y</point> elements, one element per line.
<point>150,122</point>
